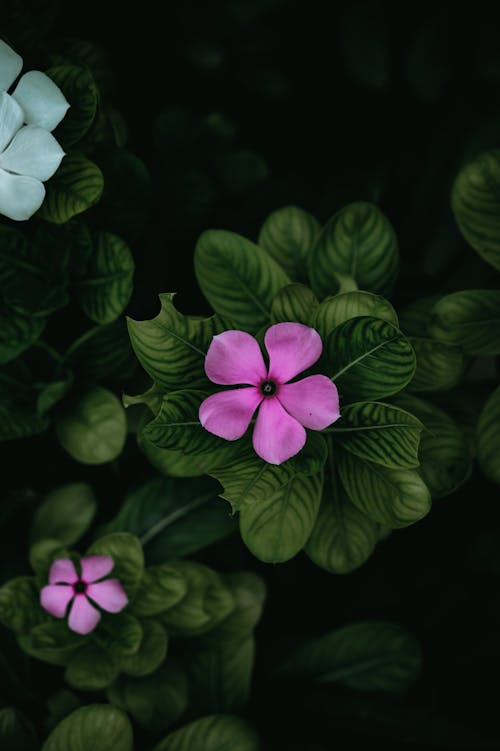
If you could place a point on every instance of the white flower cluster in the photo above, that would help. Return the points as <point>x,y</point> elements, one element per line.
<point>29,153</point>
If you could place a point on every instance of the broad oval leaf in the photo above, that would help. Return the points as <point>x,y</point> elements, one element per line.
<point>367,656</point>
<point>76,186</point>
<point>474,200</point>
<point>102,352</point>
<point>469,319</point>
<point>172,347</point>
<point>440,366</point>
<point>78,86</point>
<point>65,514</point>
<point>151,653</point>
<point>120,635</point>
<point>212,733</point>
<point>357,242</point>
<point>379,432</point>
<point>295,302</point>
<point>238,278</point>
<point>288,235</point>
<point>369,358</point>
<point>337,309</point>
<point>99,727</point>
<point>392,497</point>
<point>249,592</point>
<point>126,552</point>
<point>107,286</point>
<point>488,437</point>
<point>17,333</point>
<point>162,587</point>
<point>94,429</point>
<point>91,668</point>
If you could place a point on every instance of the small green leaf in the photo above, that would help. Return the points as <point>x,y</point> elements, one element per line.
<point>379,432</point>
<point>99,727</point>
<point>369,358</point>
<point>469,319</point>
<point>161,588</point>
<point>126,552</point>
<point>337,309</point>
<point>65,514</point>
<point>76,186</point>
<point>107,286</point>
<point>78,86</point>
<point>474,200</point>
<point>91,669</point>
<point>51,642</point>
<point>357,242</point>
<point>212,733</point>
<point>119,634</point>
<point>368,656</point>
<point>392,497</point>
<point>19,420</point>
<point>238,278</point>
<point>295,302</point>
<point>94,429</point>
<point>440,366</point>
<point>249,592</point>
<point>288,235</point>
<point>488,437</point>
<point>172,347</point>
<point>151,653</point>
<point>17,333</point>
<point>20,604</point>
<point>102,352</point>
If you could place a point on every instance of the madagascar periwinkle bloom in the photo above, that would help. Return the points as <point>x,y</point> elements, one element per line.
<point>285,408</point>
<point>82,591</point>
<point>29,153</point>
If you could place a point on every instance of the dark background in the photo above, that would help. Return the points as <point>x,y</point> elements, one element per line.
<point>372,101</point>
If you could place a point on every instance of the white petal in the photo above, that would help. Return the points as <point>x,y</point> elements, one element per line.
<point>11,119</point>
<point>20,196</point>
<point>33,152</point>
<point>43,102</point>
<point>10,66</point>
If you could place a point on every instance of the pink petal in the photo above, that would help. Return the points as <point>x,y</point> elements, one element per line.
<point>83,618</point>
<point>55,599</point>
<point>63,571</point>
<point>277,436</point>
<point>234,357</point>
<point>292,348</point>
<point>109,594</point>
<point>94,567</point>
<point>228,413</point>
<point>313,401</point>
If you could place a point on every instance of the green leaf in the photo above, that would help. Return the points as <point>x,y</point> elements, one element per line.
<point>126,552</point>
<point>488,437</point>
<point>155,701</point>
<point>469,319</point>
<point>151,653</point>
<point>414,318</point>
<point>440,366</point>
<point>238,278</point>
<point>16,732</point>
<point>175,463</point>
<point>107,286</point>
<point>119,634</point>
<point>337,309</point>
<point>288,235</point>
<point>379,432</point>
<point>65,514</point>
<point>212,733</point>
<point>101,352</point>
<point>42,555</point>
<point>78,86</point>
<point>172,347</point>
<point>249,592</point>
<point>173,517</point>
<point>369,358</point>
<point>295,302</point>
<point>76,186</point>
<point>51,642</point>
<point>19,420</point>
<point>99,727</point>
<point>91,669</point>
<point>20,604</point>
<point>392,497</point>
<point>220,675</point>
<point>161,588</point>
<point>17,333</point>
<point>94,429</point>
<point>367,656</point>
<point>357,242</point>
<point>59,705</point>
<point>207,602</point>
<point>474,200</point>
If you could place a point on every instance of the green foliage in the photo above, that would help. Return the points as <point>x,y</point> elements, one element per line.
<point>162,587</point>
<point>94,429</point>
<point>91,669</point>
<point>19,608</point>
<point>76,186</point>
<point>488,437</point>
<point>238,278</point>
<point>65,514</point>
<point>102,352</point>
<point>469,319</point>
<point>151,653</point>
<point>107,286</point>
<point>212,733</point>
<point>126,552</point>
<point>79,88</point>
<point>369,656</point>
<point>295,302</point>
<point>120,635</point>
<point>16,732</point>
<point>358,243</point>
<point>288,235</point>
<point>440,366</point>
<point>99,727</point>
<point>337,309</point>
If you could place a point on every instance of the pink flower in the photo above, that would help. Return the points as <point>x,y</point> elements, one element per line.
<point>285,409</point>
<point>66,586</point>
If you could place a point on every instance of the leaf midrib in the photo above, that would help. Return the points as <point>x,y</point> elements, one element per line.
<point>172,517</point>
<point>362,357</point>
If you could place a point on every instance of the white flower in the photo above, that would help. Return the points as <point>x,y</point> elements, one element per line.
<point>29,153</point>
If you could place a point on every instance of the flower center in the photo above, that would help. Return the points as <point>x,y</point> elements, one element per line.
<point>80,588</point>
<point>268,388</point>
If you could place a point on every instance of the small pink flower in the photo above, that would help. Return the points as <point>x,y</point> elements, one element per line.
<point>285,409</point>
<point>66,586</point>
